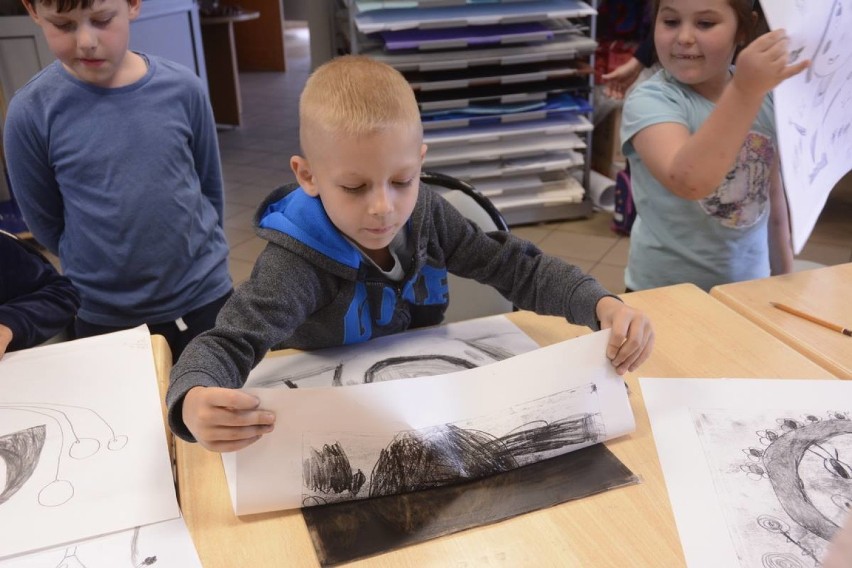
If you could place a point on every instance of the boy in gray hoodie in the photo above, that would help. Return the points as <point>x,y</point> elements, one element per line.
<point>357,250</point>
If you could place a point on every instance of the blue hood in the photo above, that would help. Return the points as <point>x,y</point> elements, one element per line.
<point>303,218</point>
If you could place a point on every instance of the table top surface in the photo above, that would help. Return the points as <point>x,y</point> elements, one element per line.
<point>824,293</point>
<point>696,336</point>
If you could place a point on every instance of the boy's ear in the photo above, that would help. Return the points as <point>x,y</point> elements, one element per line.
<point>423,148</point>
<point>304,175</point>
<point>31,11</point>
<point>135,6</point>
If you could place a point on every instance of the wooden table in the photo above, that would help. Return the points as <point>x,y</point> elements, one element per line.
<point>824,292</point>
<point>632,526</point>
<point>220,56</point>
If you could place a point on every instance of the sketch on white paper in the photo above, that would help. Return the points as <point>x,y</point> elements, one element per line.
<point>334,465</point>
<point>814,109</point>
<point>82,433</point>
<point>82,444</point>
<point>528,407</point>
<point>757,470</point>
<point>161,545</point>
<point>784,479</point>
<point>416,353</point>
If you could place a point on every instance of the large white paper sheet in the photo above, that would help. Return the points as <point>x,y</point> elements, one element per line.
<point>161,545</point>
<point>418,352</point>
<point>82,442</point>
<point>332,444</point>
<point>415,353</point>
<point>758,470</point>
<point>813,110</point>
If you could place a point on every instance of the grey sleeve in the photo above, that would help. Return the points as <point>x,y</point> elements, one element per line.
<point>281,294</point>
<point>517,269</point>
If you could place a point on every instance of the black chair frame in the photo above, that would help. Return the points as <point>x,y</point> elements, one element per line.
<point>449,182</point>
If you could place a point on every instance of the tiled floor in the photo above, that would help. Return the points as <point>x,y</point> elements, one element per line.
<point>255,160</point>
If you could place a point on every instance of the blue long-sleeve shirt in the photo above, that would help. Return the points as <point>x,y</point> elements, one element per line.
<point>36,302</point>
<point>125,185</point>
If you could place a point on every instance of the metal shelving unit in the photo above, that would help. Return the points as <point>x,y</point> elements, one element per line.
<point>504,89</point>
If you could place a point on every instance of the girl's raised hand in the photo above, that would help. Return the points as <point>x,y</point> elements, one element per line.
<point>763,64</point>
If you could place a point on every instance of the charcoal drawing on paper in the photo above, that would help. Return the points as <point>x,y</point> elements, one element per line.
<point>345,466</point>
<point>784,480</point>
<point>416,353</point>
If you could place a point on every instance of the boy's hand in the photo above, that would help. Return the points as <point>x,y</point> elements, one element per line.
<point>763,64</point>
<point>632,337</point>
<point>225,420</point>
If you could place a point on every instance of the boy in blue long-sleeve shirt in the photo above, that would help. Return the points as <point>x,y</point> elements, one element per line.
<point>114,161</point>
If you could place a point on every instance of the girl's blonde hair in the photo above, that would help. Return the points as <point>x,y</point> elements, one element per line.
<point>355,95</point>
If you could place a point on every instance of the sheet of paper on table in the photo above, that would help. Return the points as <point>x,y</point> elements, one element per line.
<point>163,545</point>
<point>391,436</point>
<point>758,470</point>
<point>83,443</point>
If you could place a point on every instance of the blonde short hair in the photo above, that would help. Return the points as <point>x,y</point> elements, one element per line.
<point>354,95</point>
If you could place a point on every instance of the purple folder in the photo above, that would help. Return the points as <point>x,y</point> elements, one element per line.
<point>439,38</point>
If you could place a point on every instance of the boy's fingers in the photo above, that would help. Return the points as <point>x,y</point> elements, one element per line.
<point>634,346</point>
<point>229,446</point>
<point>643,355</point>
<point>616,341</point>
<point>235,433</point>
<point>230,418</point>
<point>235,399</point>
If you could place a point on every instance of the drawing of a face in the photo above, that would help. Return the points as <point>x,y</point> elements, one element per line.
<point>809,475</point>
<point>827,481</point>
<point>833,50</point>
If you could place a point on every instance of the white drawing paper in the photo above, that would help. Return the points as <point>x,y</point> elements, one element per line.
<point>415,353</point>
<point>385,437</point>
<point>160,545</point>
<point>813,110</point>
<point>758,470</point>
<point>82,442</point>
<point>418,352</point>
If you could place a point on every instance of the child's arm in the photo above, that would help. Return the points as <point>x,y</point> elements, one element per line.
<point>693,166</point>
<point>38,302</point>
<point>283,291</point>
<point>32,179</point>
<point>544,284</point>
<point>205,152</point>
<point>632,336</point>
<point>225,420</point>
<point>780,246</point>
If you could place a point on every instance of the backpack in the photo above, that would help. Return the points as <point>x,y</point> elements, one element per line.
<point>625,210</point>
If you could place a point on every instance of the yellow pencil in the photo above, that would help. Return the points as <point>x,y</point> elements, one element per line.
<point>814,319</point>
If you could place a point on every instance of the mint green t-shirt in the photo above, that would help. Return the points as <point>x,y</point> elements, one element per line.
<point>719,239</point>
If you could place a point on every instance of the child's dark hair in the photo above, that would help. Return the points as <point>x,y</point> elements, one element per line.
<point>62,5</point>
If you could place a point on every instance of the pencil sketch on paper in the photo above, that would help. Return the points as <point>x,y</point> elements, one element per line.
<point>22,451</point>
<point>164,543</point>
<point>334,464</point>
<point>417,353</point>
<point>784,480</point>
<point>824,121</point>
<point>71,560</point>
